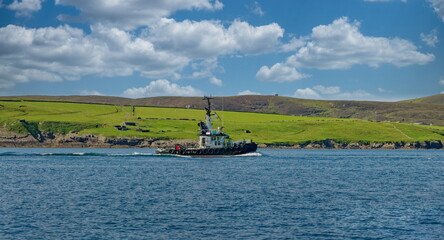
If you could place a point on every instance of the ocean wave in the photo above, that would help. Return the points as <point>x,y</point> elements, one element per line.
<point>75,154</point>
<point>134,154</point>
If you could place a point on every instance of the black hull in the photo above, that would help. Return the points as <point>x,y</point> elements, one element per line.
<point>246,148</point>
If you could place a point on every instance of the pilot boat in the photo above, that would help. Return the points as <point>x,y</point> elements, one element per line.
<point>211,141</point>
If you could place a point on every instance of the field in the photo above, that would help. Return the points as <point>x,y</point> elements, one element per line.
<point>181,123</point>
<point>428,110</point>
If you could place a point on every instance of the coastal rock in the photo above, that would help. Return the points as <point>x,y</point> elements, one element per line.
<point>74,139</point>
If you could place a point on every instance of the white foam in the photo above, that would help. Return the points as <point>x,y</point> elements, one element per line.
<point>143,154</point>
<point>253,154</point>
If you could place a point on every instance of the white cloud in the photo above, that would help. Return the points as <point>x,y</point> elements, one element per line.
<point>67,53</point>
<point>205,68</point>
<point>327,90</point>
<point>332,93</point>
<point>248,92</point>
<point>206,39</point>
<point>382,90</point>
<point>355,95</point>
<point>126,53</point>
<point>438,6</point>
<point>9,76</point>
<point>293,44</point>
<point>25,7</point>
<point>340,45</point>
<point>256,9</point>
<point>430,39</point>
<point>255,40</point>
<point>216,81</point>
<point>130,14</point>
<point>162,88</point>
<point>91,93</point>
<point>160,51</point>
<point>306,93</point>
<point>441,81</point>
<point>279,73</point>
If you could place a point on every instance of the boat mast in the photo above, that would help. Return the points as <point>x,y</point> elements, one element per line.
<point>208,113</point>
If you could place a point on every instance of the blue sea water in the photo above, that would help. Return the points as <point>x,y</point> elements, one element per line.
<point>277,194</point>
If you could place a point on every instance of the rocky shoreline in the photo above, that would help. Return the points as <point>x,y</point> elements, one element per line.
<point>75,140</point>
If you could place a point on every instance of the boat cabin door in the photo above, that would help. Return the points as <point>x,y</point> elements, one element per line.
<point>203,142</point>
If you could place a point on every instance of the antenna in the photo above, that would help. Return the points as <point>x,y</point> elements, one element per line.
<point>223,113</point>
<point>209,104</point>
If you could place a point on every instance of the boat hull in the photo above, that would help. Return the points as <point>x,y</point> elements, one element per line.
<point>226,151</point>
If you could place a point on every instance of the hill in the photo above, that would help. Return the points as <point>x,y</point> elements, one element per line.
<point>424,111</point>
<point>435,99</point>
<point>59,123</point>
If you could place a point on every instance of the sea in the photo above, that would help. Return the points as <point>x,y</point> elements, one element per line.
<point>69,193</point>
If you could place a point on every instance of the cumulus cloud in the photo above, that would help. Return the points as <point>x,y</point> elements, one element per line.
<point>216,81</point>
<point>355,95</point>
<point>91,93</point>
<point>67,53</point>
<point>340,45</point>
<point>210,38</point>
<point>162,87</point>
<point>430,39</point>
<point>256,9</point>
<point>293,44</point>
<point>248,92</point>
<point>332,92</point>
<point>130,14</point>
<point>255,40</point>
<point>382,90</point>
<point>160,51</point>
<point>327,90</point>
<point>306,93</point>
<point>279,73</point>
<point>438,6</point>
<point>25,7</point>
<point>9,76</point>
<point>205,68</point>
<point>441,81</point>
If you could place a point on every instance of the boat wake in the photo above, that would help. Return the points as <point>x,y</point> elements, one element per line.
<point>253,154</point>
<point>134,154</point>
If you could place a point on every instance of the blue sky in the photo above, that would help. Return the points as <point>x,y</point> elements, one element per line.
<point>382,50</point>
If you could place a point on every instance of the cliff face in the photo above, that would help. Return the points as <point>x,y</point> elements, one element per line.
<point>8,139</point>
<point>331,144</point>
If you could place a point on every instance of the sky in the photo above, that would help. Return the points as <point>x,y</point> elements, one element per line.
<point>377,50</point>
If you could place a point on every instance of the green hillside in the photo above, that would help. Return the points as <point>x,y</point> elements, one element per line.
<point>425,110</point>
<point>181,123</point>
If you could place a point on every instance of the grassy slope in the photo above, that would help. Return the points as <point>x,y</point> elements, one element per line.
<point>435,99</point>
<point>182,124</point>
<point>425,110</point>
